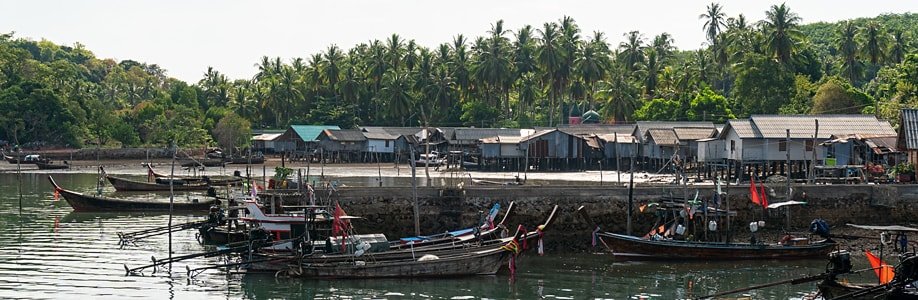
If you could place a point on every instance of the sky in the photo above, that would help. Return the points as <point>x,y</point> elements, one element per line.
<point>187,36</point>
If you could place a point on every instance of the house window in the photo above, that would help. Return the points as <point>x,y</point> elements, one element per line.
<point>809,145</point>
<point>387,143</point>
<point>782,146</point>
<point>732,145</point>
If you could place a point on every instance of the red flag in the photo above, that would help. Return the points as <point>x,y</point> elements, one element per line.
<point>884,271</point>
<point>764,199</point>
<point>753,193</point>
<point>340,225</point>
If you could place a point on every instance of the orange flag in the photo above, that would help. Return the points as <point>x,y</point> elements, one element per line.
<point>884,271</point>
<point>753,193</point>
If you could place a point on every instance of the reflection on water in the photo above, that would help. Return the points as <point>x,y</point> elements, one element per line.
<point>49,251</point>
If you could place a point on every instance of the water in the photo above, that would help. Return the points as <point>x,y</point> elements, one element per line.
<point>49,251</point>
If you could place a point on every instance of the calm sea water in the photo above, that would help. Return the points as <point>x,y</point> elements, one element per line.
<point>49,251</point>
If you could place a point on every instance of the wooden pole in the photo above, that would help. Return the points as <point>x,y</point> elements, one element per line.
<point>618,159</point>
<point>787,172</point>
<point>813,163</point>
<point>414,189</point>
<point>630,197</point>
<point>727,199</point>
<point>171,199</point>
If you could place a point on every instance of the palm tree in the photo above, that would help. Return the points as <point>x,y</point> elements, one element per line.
<point>396,93</point>
<point>846,43</point>
<point>899,47</point>
<point>394,49</point>
<point>332,67</point>
<point>663,45</point>
<point>549,55</point>
<point>781,32</point>
<point>875,40</point>
<point>570,42</point>
<point>620,95</point>
<point>632,50</point>
<point>591,67</point>
<point>714,20</point>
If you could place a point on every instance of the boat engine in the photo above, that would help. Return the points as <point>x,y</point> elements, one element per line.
<point>907,270</point>
<point>820,227</point>
<point>839,262</point>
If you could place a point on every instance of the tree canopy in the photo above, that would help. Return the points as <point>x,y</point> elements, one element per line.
<point>535,75</point>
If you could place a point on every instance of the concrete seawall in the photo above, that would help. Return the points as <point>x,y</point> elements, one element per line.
<point>390,210</point>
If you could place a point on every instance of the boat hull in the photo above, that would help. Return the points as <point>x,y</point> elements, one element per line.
<point>629,247</point>
<point>125,185</point>
<point>48,166</point>
<point>831,289</point>
<point>487,262</point>
<point>87,203</point>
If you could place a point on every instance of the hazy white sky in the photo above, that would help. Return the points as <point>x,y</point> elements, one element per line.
<point>185,37</point>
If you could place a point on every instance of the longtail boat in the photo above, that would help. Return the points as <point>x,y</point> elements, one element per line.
<point>480,260</point>
<point>212,180</point>
<point>9,159</point>
<point>88,203</point>
<point>649,248</point>
<point>51,166</point>
<point>244,160</point>
<point>127,185</point>
<point>900,286</point>
<point>209,162</point>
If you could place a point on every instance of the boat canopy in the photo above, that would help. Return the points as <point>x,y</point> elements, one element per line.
<point>884,228</point>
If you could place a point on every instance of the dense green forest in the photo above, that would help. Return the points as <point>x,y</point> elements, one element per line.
<point>531,76</point>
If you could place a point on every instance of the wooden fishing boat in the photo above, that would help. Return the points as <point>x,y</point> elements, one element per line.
<point>630,247</point>
<point>480,260</point>
<point>9,159</point>
<point>88,203</point>
<point>127,185</point>
<point>212,180</point>
<point>222,236</point>
<point>637,248</point>
<point>210,162</point>
<point>51,166</point>
<point>245,160</point>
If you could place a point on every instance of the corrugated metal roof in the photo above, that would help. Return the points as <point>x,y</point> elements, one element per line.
<point>311,132</point>
<point>502,140</point>
<point>345,135</point>
<point>663,136</point>
<point>537,134</point>
<point>743,128</point>
<point>908,128</point>
<point>380,135</point>
<point>641,127</point>
<point>597,129</point>
<point>693,133</point>
<point>622,138</point>
<point>475,134</point>
<point>396,131</point>
<point>266,136</point>
<point>804,126</point>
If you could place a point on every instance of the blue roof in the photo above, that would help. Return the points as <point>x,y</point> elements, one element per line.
<point>311,132</point>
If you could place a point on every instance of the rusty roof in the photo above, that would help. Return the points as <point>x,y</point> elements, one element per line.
<point>344,135</point>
